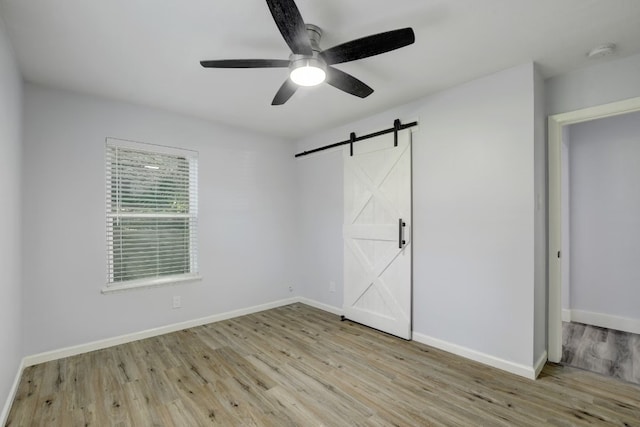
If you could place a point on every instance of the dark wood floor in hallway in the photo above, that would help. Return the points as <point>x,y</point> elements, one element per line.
<point>299,366</point>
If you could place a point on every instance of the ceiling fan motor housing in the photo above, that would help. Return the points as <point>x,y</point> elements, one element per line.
<point>315,34</point>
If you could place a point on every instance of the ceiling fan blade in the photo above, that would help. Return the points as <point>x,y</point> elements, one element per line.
<point>246,63</point>
<point>347,83</point>
<point>368,46</point>
<point>285,92</point>
<point>291,25</point>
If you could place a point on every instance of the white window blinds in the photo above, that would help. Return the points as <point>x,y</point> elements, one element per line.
<point>152,213</point>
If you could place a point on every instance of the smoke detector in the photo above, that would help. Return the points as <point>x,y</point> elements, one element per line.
<point>601,51</point>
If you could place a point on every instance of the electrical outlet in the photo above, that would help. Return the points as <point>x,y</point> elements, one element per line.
<point>332,286</point>
<point>290,288</point>
<point>177,303</point>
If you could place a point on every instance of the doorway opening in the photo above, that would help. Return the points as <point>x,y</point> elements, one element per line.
<point>559,236</point>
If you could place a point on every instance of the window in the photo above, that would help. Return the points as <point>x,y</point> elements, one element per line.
<point>152,214</point>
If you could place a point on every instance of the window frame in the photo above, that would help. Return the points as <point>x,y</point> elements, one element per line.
<point>191,216</point>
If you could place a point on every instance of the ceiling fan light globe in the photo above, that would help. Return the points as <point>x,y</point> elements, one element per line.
<point>308,76</point>
<point>307,72</point>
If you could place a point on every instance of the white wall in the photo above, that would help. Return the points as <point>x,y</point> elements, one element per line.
<point>246,219</point>
<point>540,228</point>
<point>565,255</point>
<point>474,214</point>
<point>606,81</point>
<point>319,208</point>
<point>604,157</point>
<point>601,83</point>
<point>10,197</point>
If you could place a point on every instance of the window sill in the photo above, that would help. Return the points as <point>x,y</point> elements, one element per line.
<point>149,283</point>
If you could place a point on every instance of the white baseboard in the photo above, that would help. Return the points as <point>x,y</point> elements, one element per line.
<point>12,394</point>
<point>566,315</point>
<point>123,339</point>
<point>625,324</point>
<point>321,306</point>
<point>542,360</point>
<point>505,365</point>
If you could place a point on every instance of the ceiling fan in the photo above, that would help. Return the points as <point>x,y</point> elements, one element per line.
<point>311,65</point>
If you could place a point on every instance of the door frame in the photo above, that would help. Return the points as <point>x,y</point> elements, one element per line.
<point>554,161</point>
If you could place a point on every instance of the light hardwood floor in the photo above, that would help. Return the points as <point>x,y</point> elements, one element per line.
<point>299,366</point>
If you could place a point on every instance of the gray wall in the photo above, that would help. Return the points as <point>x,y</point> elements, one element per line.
<point>10,195</point>
<point>604,164</point>
<point>474,192</point>
<point>246,195</point>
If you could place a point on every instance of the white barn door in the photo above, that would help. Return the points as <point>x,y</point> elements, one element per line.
<point>377,234</point>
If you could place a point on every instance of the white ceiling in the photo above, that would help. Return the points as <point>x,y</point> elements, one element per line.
<point>148,51</point>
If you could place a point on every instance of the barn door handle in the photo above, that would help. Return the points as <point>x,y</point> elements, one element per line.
<point>401,241</point>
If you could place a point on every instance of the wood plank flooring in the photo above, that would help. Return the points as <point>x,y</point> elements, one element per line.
<point>299,366</point>
<point>601,350</point>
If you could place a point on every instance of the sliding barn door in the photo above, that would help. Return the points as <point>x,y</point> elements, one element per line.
<point>377,233</point>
